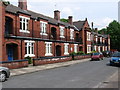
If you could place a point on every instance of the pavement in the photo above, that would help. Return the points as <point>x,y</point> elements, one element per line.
<point>31,69</point>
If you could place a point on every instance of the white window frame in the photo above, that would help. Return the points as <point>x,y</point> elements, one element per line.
<point>103,48</point>
<point>88,36</point>
<point>43,27</point>
<point>66,48</point>
<point>75,48</point>
<point>88,48</point>
<point>95,47</point>
<point>26,28</point>
<point>29,44</point>
<point>99,49</point>
<point>48,49</point>
<point>100,39</point>
<point>71,33</point>
<point>62,32</point>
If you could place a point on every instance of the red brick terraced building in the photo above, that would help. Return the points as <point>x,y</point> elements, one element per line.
<point>26,33</point>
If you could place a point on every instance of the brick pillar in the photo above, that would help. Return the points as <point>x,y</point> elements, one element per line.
<point>2,24</point>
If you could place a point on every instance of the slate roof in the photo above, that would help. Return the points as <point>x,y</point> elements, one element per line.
<point>15,10</point>
<point>100,35</point>
<point>79,24</point>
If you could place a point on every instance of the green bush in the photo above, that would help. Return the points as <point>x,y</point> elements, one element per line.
<point>80,53</point>
<point>73,53</point>
<point>93,51</point>
<point>29,59</point>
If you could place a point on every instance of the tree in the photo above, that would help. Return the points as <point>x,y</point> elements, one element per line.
<point>64,20</point>
<point>104,30</point>
<point>114,31</point>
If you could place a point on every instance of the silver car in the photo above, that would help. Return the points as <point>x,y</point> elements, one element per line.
<point>4,74</point>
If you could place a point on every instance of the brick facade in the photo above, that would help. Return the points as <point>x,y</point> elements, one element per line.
<point>15,41</point>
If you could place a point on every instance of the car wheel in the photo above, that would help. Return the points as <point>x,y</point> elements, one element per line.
<point>111,64</point>
<point>2,77</point>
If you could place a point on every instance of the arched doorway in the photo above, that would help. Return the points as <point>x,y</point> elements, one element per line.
<point>8,25</point>
<point>53,33</point>
<point>58,50</point>
<point>12,51</point>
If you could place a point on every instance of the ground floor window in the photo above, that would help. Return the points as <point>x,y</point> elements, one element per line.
<point>103,48</point>
<point>29,48</point>
<point>48,48</point>
<point>66,49</point>
<point>88,48</point>
<point>99,49</point>
<point>75,48</point>
<point>95,47</point>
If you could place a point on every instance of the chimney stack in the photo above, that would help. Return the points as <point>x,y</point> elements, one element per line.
<point>96,30</point>
<point>22,4</point>
<point>57,15</point>
<point>70,20</point>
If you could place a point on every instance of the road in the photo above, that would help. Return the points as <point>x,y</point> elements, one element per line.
<point>83,75</point>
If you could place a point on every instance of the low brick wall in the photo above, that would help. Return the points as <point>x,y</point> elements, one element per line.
<point>79,57</point>
<point>50,60</point>
<point>15,64</point>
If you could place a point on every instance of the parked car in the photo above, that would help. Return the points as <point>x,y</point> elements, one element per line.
<point>115,59</point>
<point>97,56</point>
<point>107,53</point>
<point>4,74</point>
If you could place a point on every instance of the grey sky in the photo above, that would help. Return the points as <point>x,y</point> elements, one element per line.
<point>99,12</point>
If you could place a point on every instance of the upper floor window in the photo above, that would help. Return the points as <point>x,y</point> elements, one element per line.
<point>24,22</point>
<point>43,26</point>
<point>62,32</point>
<point>100,39</point>
<point>71,33</point>
<point>29,48</point>
<point>96,38</point>
<point>88,36</point>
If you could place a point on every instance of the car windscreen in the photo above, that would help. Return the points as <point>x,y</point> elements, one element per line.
<point>116,54</point>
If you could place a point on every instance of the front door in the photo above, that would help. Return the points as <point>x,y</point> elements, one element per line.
<point>58,50</point>
<point>10,53</point>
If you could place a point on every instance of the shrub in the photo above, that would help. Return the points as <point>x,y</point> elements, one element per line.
<point>80,53</point>
<point>29,59</point>
<point>93,51</point>
<point>73,54</point>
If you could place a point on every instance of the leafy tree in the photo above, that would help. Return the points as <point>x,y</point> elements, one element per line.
<point>64,20</point>
<point>113,30</point>
<point>104,30</point>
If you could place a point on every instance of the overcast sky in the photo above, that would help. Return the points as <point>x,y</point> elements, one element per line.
<point>101,12</point>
